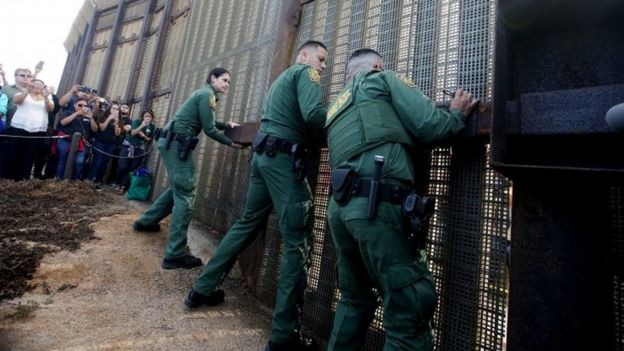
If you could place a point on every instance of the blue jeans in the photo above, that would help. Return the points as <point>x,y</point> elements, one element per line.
<point>101,156</point>
<point>62,147</point>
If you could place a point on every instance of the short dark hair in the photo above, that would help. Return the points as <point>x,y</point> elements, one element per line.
<point>311,43</point>
<point>362,52</point>
<point>217,72</point>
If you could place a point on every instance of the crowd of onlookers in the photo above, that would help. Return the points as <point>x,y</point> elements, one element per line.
<point>37,128</point>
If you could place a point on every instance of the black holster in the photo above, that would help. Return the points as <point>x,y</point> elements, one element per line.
<point>257,145</point>
<point>341,185</point>
<point>170,135</point>
<point>418,209</point>
<point>186,144</point>
<point>300,157</point>
<point>270,146</point>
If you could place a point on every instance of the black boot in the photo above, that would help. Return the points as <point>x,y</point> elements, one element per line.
<point>139,227</point>
<point>297,343</point>
<point>195,299</point>
<point>186,262</point>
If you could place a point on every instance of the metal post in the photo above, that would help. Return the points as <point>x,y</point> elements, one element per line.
<point>85,50</point>
<point>155,61</point>
<point>138,53</point>
<point>71,158</point>
<point>288,22</point>
<point>112,47</point>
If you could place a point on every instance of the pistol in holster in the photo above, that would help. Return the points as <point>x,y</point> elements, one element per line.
<point>300,156</point>
<point>186,144</point>
<point>418,209</point>
<point>170,135</point>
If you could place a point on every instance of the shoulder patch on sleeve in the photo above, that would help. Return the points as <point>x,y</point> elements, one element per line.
<point>405,80</point>
<point>314,75</point>
<point>212,102</point>
<point>340,102</point>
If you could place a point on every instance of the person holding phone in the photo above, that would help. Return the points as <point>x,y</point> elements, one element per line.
<point>133,148</point>
<point>105,142</point>
<point>80,121</point>
<point>29,120</point>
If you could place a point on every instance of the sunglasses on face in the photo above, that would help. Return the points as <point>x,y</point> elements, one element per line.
<point>81,105</point>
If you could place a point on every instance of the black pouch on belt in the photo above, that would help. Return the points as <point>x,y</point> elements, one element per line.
<point>258,142</point>
<point>342,179</point>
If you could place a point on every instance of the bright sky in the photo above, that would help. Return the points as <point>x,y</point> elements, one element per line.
<point>33,31</point>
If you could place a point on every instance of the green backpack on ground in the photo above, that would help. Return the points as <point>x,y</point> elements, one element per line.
<point>140,185</point>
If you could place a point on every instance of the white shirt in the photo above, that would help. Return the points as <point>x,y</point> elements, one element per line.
<point>31,116</point>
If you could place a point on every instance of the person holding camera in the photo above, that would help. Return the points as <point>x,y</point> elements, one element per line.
<point>125,126</point>
<point>371,127</point>
<point>30,119</point>
<point>176,143</point>
<point>68,101</point>
<point>105,142</point>
<point>23,76</point>
<point>133,148</point>
<point>80,121</point>
<point>45,162</point>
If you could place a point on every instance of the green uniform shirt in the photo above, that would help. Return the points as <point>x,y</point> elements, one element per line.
<point>148,130</point>
<point>198,113</point>
<point>9,92</point>
<point>293,104</point>
<point>374,104</point>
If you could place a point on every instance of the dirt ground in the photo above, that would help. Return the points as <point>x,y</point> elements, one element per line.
<point>99,285</point>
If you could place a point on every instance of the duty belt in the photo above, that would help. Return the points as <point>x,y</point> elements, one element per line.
<point>164,133</point>
<point>264,143</point>
<point>393,193</point>
<point>174,136</point>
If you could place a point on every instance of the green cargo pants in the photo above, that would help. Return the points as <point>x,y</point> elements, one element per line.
<point>375,253</point>
<point>272,185</point>
<point>177,200</point>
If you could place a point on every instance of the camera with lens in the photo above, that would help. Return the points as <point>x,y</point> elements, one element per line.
<point>84,89</point>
